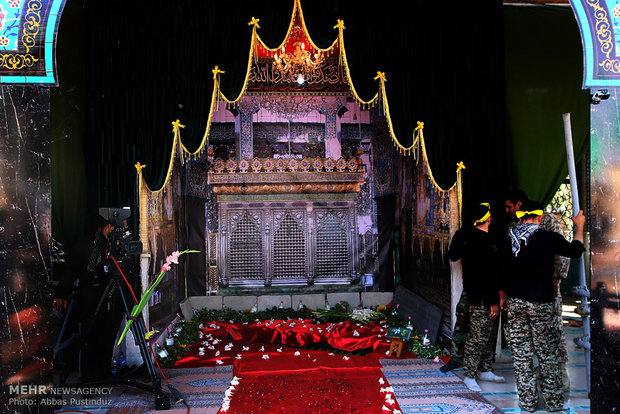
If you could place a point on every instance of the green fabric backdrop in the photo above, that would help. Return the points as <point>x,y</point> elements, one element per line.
<point>543,77</point>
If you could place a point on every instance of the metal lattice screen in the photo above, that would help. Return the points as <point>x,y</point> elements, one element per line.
<point>213,282</point>
<point>289,247</point>
<point>562,206</point>
<point>245,258</point>
<point>332,253</point>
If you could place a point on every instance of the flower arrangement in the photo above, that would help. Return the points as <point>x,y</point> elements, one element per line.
<point>146,296</point>
<point>365,315</point>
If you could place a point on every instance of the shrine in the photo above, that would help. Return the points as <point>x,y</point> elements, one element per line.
<point>289,181</point>
<point>287,220</point>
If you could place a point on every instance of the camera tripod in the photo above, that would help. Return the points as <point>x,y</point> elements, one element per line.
<point>115,283</point>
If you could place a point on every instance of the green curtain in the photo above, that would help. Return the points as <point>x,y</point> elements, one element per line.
<point>544,70</point>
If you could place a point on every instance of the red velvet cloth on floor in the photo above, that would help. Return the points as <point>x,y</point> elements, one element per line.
<point>319,391</point>
<point>302,360</point>
<point>273,374</point>
<point>301,381</point>
<point>224,342</point>
<point>347,336</point>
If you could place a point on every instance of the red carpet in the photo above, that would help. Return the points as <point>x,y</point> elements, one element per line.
<point>309,382</point>
<point>274,375</point>
<point>314,391</point>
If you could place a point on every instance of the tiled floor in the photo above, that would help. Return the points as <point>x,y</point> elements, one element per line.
<point>505,396</point>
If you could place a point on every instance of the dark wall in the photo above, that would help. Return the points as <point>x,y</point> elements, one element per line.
<point>605,169</point>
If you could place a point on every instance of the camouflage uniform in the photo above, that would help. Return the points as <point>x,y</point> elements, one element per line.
<point>461,327</point>
<point>479,344</point>
<point>551,222</point>
<point>533,330</point>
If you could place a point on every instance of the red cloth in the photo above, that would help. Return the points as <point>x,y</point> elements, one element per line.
<point>272,337</point>
<point>275,377</point>
<point>320,391</point>
<point>301,360</point>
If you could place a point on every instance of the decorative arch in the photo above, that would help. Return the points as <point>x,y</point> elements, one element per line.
<point>28,31</point>
<point>599,25</point>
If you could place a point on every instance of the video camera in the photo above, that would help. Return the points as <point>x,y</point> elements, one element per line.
<point>121,242</point>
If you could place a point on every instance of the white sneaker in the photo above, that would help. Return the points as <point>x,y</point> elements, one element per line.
<point>491,377</point>
<point>472,384</point>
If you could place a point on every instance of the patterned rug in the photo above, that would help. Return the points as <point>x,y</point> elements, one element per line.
<point>202,388</point>
<point>420,387</point>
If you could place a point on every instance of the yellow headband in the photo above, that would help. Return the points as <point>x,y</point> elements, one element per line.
<point>486,216</point>
<point>523,213</point>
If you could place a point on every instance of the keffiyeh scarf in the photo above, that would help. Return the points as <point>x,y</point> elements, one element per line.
<point>521,233</point>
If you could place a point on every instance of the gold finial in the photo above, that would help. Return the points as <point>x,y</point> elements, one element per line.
<point>420,125</point>
<point>339,24</point>
<point>216,71</point>
<point>254,22</point>
<point>176,125</point>
<point>460,166</point>
<point>139,167</point>
<point>381,75</point>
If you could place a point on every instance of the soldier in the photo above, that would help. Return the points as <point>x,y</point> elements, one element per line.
<point>475,248</point>
<point>550,222</point>
<point>527,293</point>
<point>459,334</point>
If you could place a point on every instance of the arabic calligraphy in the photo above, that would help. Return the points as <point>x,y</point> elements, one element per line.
<point>264,73</point>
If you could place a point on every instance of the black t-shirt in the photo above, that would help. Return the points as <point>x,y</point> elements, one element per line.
<point>480,266</point>
<point>529,275</point>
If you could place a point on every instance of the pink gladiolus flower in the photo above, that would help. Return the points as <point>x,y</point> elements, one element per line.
<point>165,267</point>
<point>174,257</point>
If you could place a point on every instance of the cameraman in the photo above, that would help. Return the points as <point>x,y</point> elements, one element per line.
<point>97,315</point>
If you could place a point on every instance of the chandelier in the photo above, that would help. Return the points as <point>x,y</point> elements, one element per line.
<point>298,64</point>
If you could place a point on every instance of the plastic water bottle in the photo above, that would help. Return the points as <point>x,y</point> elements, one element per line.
<point>162,352</point>
<point>425,340</point>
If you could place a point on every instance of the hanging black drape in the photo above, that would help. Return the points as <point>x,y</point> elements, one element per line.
<point>147,63</point>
